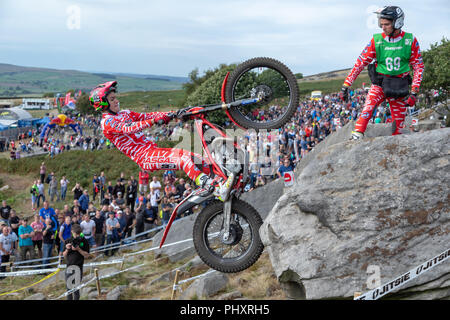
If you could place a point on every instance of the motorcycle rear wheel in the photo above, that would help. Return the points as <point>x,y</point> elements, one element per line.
<point>275,80</point>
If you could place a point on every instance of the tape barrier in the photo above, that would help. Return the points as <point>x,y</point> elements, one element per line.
<point>176,286</point>
<point>94,279</point>
<point>26,273</point>
<point>124,270</point>
<point>388,287</point>
<point>33,284</point>
<point>18,265</point>
<point>129,238</point>
<point>75,289</point>
<point>117,245</point>
<point>62,266</point>
<point>96,249</point>
<point>40,271</point>
<point>155,248</point>
<point>196,277</point>
<point>29,261</point>
<point>35,265</point>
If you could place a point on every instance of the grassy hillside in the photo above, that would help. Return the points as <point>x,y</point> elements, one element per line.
<point>20,81</point>
<point>149,100</point>
<point>77,166</point>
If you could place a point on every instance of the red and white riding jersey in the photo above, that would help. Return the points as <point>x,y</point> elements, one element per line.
<point>369,54</point>
<point>124,130</point>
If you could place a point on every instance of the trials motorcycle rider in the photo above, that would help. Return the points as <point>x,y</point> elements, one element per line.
<point>124,129</point>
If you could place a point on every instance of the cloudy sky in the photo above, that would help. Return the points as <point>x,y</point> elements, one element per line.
<point>169,37</point>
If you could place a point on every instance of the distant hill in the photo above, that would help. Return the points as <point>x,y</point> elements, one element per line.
<point>330,75</point>
<point>155,77</point>
<point>18,81</point>
<point>329,82</point>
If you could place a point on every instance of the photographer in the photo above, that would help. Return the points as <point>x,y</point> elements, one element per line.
<point>76,248</point>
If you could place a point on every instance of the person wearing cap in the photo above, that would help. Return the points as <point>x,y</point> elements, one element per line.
<point>122,224</point>
<point>26,233</point>
<point>120,201</point>
<point>112,225</point>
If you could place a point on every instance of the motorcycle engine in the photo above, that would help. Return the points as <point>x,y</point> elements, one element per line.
<point>226,155</point>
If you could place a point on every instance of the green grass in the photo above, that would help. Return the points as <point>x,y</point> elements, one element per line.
<point>25,81</point>
<point>77,166</point>
<point>149,100</point>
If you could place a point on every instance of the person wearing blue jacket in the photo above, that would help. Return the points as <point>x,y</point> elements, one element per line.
<point>84,201</point>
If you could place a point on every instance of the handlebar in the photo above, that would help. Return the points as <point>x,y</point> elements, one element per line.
<point>171,115</point>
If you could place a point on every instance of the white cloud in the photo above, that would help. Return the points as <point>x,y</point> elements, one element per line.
<point>173,37</point>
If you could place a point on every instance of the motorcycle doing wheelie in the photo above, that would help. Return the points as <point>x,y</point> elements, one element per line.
<point>261,93</point>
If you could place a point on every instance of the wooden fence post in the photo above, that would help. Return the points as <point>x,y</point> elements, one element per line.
<point>175,284</point>
<point>97,281</point>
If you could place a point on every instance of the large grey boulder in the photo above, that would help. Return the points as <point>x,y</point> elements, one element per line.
<point>116,293</point>
<point>206,286</point>
<point>180,230</point>
<point>264,198</point>
<point>380,201</point>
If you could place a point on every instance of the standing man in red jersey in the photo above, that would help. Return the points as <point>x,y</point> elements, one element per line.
<point>391,55</point>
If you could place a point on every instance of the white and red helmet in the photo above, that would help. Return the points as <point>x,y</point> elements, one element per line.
<point>98,95</point>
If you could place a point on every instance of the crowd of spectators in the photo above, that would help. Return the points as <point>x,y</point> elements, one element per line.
<point>107,213</point>
<point>272,153</point>
<point>112,209</point>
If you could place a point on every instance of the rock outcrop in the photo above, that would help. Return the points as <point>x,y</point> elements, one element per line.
<point>206,286</point>
<point>381,201</point>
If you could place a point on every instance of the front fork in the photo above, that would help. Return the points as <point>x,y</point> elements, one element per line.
<point>227,209</point>
<point>227,218</point>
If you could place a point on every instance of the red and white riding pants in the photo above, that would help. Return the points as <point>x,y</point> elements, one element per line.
<point>173,159</point>
<point>373,99</point>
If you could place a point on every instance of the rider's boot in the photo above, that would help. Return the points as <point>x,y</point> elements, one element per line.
<point>356,135</point>
<point>217,185</point>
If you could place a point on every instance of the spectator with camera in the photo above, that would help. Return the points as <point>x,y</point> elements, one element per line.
<point>76,249</point>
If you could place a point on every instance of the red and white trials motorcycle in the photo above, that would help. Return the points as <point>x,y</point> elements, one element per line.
<point>261,93</point>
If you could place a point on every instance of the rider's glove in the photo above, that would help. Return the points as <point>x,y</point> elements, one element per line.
<point>411,99</point>
<point>344,93</point>
<point>181,112</point>
<point>162,118</point>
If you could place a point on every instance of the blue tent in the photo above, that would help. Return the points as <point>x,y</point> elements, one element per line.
<point>44,120</point>
<point>2,127</point>
<point>28,122</point>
